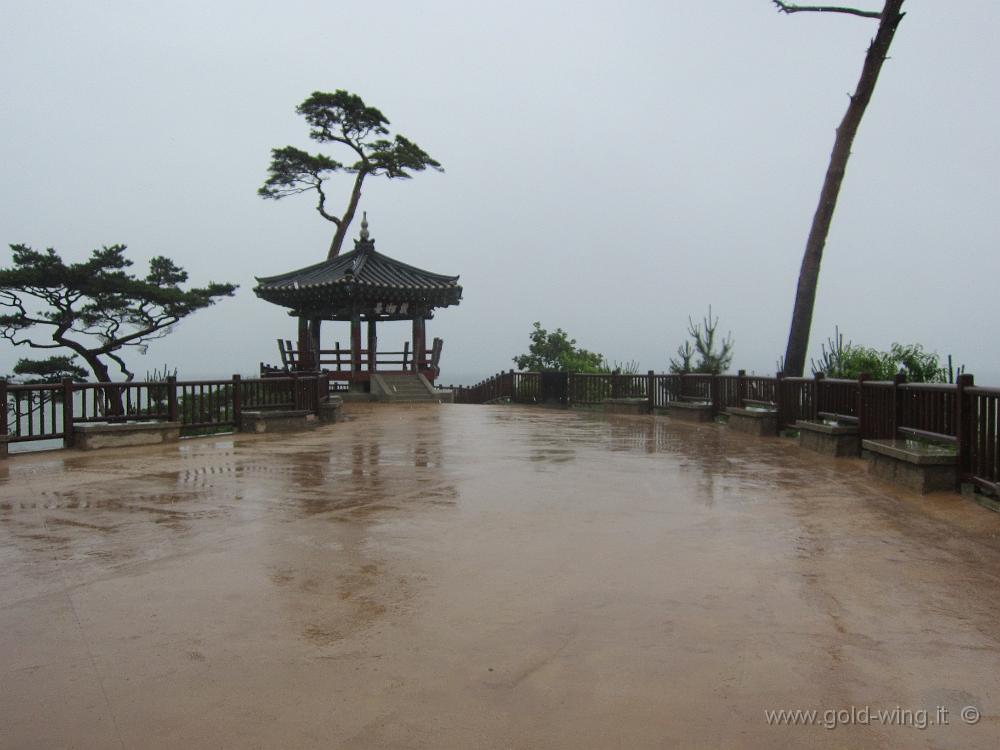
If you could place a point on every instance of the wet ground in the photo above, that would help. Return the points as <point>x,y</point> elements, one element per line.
<point>489,577</point>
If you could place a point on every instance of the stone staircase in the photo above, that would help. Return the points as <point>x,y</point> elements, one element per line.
<point>403,389</point>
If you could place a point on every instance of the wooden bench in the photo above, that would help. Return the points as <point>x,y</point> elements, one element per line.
<point>835,435</point>
<point>922,467</point>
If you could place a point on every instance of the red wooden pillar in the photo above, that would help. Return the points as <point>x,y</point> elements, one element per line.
<point>314,328</point>
<point>372,346</point>
<point>303,361</point>
<point>355,344</point>
<point>419,342</point>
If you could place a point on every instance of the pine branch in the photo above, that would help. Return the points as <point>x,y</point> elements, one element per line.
<point>788,8</point>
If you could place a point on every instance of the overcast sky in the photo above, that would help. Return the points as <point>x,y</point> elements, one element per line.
<point>610,168</point>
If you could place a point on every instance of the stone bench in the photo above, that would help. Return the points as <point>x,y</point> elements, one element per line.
<point>626,406</point>
<point>283,420</point>
<point>829,438</point>
<point>920,467</point>
<point>759,422</point>
<point>94,436</point>
<point>690,411</point>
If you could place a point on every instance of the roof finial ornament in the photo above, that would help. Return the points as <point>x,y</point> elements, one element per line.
<point>364,226</point>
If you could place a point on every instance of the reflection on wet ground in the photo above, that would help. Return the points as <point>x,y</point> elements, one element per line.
<point>462,576</point>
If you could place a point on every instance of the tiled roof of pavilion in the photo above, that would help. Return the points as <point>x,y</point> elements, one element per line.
<point>360,276</point>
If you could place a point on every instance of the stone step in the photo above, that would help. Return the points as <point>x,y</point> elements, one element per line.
<point>407,388</point>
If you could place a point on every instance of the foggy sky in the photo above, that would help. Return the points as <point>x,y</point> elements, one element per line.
<point>609,170</point>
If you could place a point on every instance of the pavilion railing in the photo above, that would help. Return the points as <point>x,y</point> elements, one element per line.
<point>340,359</point>
<point>959,414</point>
<point>49,411</point>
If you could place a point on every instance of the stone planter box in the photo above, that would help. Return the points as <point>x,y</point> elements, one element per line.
<point>918,467</point>
<point>284,420</point>
<point>759,422</point>
<point>829,439</point>
<point>690,411</point>
<point>89,437</point>
<point>332,410</point>
<point>626,406</point>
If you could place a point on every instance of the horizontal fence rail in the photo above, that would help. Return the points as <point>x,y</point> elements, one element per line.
<point>959,414</point>
<point>50,411</point>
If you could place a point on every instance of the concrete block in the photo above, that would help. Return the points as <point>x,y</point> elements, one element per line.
<point>626,406</point>
<point>290,420</point>
<point>89,437</point>
<point>920,468</point>
<point>829,439</point>
<point>759,422</point>
<point>690,411</point>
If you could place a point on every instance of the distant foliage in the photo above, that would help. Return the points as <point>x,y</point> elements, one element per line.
<point>705,352</point>
<point>47,371</point>
<point>840,360</point>
<point>556,351</point>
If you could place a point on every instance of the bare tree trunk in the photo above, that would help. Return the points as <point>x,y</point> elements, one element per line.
<point>345,222</point>
<point>805,296</point>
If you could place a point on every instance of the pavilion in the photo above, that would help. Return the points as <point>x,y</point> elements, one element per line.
<point>360,286</point>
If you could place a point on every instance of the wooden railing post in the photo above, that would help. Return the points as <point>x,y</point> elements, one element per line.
<point>897,400</point>
<point>651,390</point>
<point>296,399</point>
<point>964,426</point>
<point>862,415</point>
<point>741,388</point>
<point>715,393</point>
<point>237,401</point>
<point>67,412</point>
<point>4,426</point>
<point>570,387</point>
<point>779,402</point>
<point>322,390</point>
<point>171,398</point>
<point>818,378</point>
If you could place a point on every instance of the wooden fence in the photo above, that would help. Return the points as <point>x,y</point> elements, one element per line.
<point>958,414</point>
<point>48,412</point>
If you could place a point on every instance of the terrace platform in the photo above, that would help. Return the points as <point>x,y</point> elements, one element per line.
<point>455,576</point>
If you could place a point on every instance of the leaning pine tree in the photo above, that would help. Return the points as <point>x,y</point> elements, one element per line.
<point>343,120</point>
<point>96,309</point>
<point>805,294</point>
